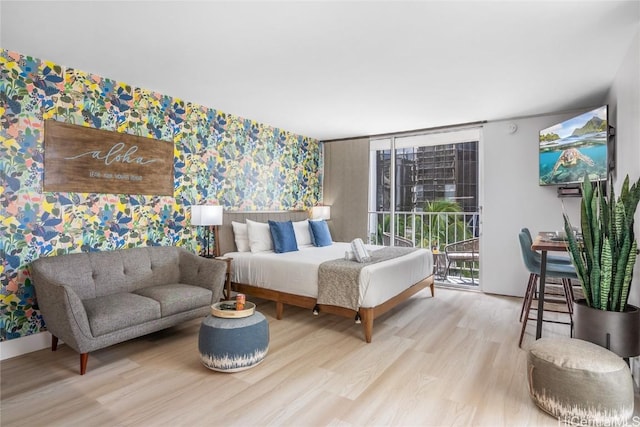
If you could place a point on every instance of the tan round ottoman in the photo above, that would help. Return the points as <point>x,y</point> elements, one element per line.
<point>579,382</point>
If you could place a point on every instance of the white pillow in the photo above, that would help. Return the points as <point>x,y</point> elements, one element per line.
<point>301,230</point>
<point>259,236</point>
<point>241,236</point>
<point>361,253</point>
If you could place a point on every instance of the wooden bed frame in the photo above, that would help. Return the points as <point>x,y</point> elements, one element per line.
<point>367,315</point>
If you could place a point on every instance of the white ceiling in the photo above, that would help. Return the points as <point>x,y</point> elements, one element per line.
<point>338,69</point>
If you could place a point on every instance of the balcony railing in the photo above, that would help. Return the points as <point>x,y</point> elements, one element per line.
<point>431,230</point>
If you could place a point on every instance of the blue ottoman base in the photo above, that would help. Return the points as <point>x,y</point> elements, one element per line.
<point>233,344</point>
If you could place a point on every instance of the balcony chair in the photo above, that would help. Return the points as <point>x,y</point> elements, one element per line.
<point>464,251</point>
<point>563,271</point>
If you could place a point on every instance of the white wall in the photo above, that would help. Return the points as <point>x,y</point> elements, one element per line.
<point>512,199</point>
<point>624,102</point>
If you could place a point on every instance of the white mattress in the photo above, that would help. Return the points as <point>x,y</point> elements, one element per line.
<point>297,272</point>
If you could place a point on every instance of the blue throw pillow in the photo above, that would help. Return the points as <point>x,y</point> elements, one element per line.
<point>284,238</point>
<point>320,234</point>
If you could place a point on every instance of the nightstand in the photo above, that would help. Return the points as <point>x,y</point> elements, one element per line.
<point>227,285</point>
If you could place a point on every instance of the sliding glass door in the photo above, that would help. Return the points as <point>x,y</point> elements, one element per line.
<point>424,191</point>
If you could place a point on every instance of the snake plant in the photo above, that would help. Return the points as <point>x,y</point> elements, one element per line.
<point>605,257</point>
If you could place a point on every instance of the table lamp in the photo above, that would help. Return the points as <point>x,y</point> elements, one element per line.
<point>209,216</point>
<point>321,212</point>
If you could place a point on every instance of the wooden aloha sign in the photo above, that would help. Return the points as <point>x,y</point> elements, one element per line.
<point>88,160</point>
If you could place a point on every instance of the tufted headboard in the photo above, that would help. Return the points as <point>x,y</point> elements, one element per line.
<point>225,231</point>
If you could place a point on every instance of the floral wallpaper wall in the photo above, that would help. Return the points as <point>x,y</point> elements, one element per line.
<point>219,159</point>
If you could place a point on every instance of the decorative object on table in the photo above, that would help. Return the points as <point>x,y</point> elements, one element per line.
<point>210,217</point>
<point>604,261</point>
<point>240,302</point>
<point>579,382</point>
<point>233,344</point>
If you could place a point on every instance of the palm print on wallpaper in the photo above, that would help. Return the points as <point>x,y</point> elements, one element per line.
<point>219,158</point>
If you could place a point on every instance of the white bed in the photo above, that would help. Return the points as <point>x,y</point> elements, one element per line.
<point>297,272</point>
<point>292,278</point>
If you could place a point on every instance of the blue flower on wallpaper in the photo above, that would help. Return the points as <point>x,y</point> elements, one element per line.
<point>13,259</point>
<point>13,106</point>
<point>45,225</point>
<point>66,201</point>
<point>176,222</point>
<point>176,114</point>
<point>165,103</point>
<point>26,216</point>
<point>46,86</point>
<point>211,115</point>
<point>106,214</point>
<point>155,128</point>
<point>29,141</point>
<point>44,247</point>
<point>210,165</point>
<point>90,117</point>
<point>119,225</point>
<point>220,123</point>
<point>249,173</point>
<point>106,87</point>
<point>47,104</point>
<point>137,200</point>
<point>45,232</point>
<point>281,140</point>
<point>121,98</point>
<point>165,214</point>
<point>47,83</point>
<point>29,66</point>
<point>11,183</point>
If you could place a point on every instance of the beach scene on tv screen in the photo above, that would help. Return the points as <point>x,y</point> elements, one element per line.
<point>575,148</point>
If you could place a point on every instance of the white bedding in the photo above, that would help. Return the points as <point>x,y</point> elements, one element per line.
<point>297,272</point>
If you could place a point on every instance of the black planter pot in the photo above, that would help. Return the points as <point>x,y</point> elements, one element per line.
<point>619,331</point>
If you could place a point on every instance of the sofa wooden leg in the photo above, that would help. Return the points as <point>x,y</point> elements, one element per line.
<point>54,343</point>
<point>84,357</point>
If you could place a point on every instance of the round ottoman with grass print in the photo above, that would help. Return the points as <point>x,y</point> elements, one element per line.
<point>233,344</point>
<point>579,382</point>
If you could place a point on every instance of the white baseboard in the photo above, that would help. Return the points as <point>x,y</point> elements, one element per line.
<point>24,345</point>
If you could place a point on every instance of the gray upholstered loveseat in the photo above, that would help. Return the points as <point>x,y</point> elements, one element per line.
<point>93,300</point>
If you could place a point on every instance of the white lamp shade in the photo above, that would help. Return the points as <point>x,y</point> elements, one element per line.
<point>206,215</point>
<point>321,212</point>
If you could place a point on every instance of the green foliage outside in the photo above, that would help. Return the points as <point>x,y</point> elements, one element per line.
<point>441,223</point>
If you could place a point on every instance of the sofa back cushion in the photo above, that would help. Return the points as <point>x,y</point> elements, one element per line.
<point>96,274</point>
<point>74,270</point>
<point>130,269</point>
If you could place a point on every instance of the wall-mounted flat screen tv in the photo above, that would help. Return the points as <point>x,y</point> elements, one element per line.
<point>574,148</point>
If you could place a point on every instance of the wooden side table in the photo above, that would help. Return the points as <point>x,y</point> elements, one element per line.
<point>227,285</point>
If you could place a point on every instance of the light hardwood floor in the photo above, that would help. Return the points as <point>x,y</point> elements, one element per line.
<point>448,360</point>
